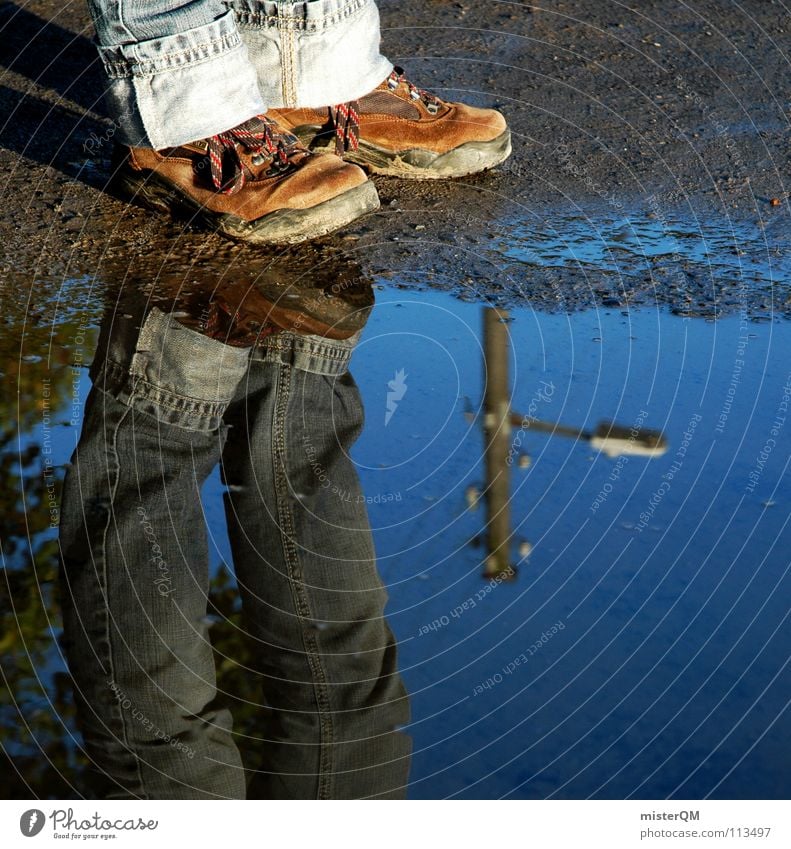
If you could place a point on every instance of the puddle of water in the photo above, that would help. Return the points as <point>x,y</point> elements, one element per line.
<point>641,650</point>
<point>630,243</point>
<point>43,351</point>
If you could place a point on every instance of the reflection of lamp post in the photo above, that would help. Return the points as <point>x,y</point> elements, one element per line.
<point>611,439</point>
<point>497,428</point>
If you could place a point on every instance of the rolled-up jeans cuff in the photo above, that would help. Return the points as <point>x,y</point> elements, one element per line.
<point>168,91</point>
<point>314,53</point>
<point>163,369</point>
<point>307,352</point>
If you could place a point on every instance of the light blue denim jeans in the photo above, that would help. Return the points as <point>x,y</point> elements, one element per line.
<point>167,405</point>
<point>180,72</point>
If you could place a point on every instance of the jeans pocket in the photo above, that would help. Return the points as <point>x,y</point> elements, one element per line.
<point>175,375</point>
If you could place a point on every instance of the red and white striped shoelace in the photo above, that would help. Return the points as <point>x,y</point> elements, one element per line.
<point>346,116</point>
<point>259,136</point>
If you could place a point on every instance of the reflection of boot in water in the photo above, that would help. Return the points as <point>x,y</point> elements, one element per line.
<point>330,298</point>
<point>334,304</point>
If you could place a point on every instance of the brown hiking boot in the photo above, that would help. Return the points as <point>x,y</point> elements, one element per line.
<point>403,131</point>
<point>255,183</point>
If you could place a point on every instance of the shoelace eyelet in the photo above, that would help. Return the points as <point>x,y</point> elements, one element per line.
<point>259,136</point>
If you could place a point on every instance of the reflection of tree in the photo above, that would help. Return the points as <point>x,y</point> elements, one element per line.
<point>41,755</point>
<point>36,710</point>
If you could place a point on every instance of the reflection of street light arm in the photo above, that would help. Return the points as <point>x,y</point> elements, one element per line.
<point>615,441</point>
<point>529,423</point>
<point>611,439</point>
<point>498,419</point>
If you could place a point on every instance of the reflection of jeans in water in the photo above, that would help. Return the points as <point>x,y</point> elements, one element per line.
<point>179,72</point>
<point>165,408</point>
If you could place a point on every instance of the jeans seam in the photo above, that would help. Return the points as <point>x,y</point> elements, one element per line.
<point>122,22</point>
<point>177,403</point>
<point>128,67</point>
<point>312,25</point>
<point>287,39</point>
<point>315,354</point>
<point>291,558</point>
<point>110,517</point>
<point>313,357</point>
<point>191,414</point>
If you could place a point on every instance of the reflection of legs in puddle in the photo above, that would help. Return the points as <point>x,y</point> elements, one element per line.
<point>135,565</point>
<point>312,596</point>
<point>135,577</point>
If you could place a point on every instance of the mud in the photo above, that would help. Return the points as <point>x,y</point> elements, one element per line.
<point>622,119</point>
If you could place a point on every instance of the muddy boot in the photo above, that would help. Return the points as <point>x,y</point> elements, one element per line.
<point>335,306</point>
<point>319,292</point>
<point>255,183</point>
<point>403,131</point>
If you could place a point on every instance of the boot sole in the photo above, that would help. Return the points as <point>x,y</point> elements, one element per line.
<point>280,227</point>
<point>416,163</point>
<point>297,321</point>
